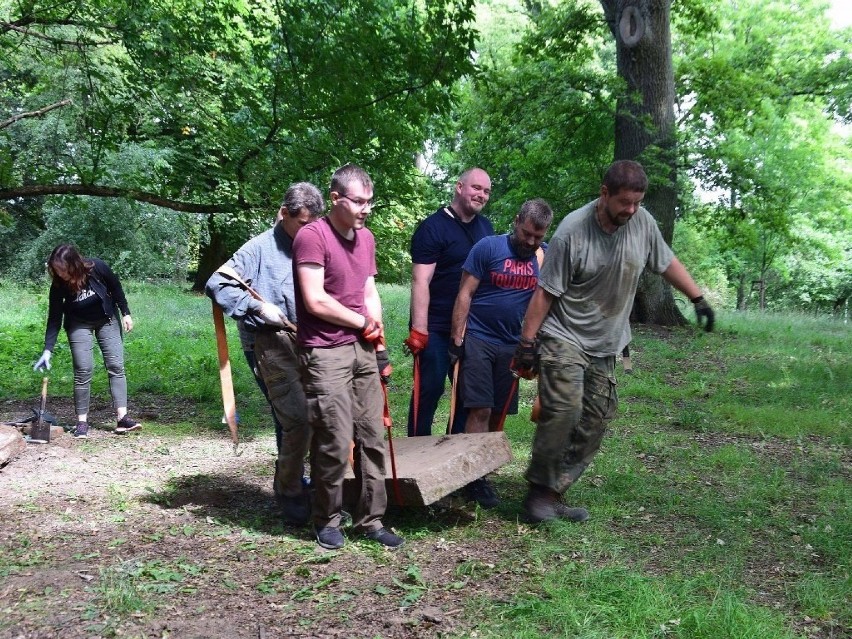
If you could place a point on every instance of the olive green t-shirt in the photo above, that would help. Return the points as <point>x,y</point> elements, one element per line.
<point>593,276</point>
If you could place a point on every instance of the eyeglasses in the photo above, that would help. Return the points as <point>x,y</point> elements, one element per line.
<point>360,204</point>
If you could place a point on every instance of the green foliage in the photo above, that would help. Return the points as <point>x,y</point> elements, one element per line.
<point>136,240</point>
<point>539,120</point>
<point>232,100</point>
<point>237,99</point>
<point>758,91</point>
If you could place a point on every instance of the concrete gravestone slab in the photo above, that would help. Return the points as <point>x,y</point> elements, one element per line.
<point>429,468</point>
<point>11,443</point>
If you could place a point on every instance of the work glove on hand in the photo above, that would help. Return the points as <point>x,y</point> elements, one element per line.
<point>416,342</point>
<point>456,352</point>
<point>702,309</point>
<point>525,362</point>
<point>127,323</point>
<point>272,315</point>
<point>385,368</point>
<point>43,363</point>
<point>373,331</point>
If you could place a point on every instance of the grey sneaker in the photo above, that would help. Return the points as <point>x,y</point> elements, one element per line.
<point>329,537</point>
<point>385,537</point>
<point>126,425</point>
<point>81,430</point>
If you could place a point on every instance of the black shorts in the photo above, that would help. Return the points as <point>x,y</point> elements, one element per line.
<point>485,376</point>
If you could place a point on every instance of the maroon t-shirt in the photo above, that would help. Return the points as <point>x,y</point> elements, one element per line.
<point>347,264</point>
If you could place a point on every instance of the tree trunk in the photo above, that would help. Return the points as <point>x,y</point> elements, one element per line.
<point>645,128</point>
<point>210,255</point>
<point>742,295</point>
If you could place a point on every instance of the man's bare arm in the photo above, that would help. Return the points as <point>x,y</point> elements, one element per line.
<point>421,276</point>
<point>461,309</point>
<point>537,310</point>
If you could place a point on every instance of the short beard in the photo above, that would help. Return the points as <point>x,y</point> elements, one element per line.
<point>521,250</point>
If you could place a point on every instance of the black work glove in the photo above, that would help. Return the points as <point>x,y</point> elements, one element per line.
<point>702,309</point>
<point>456,353</point>
<point>384,365</point>
<point>525,362</point>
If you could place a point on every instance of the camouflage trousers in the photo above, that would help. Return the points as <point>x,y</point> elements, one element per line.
<point>578,399</point>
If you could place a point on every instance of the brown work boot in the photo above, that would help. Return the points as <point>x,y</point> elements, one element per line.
<point>544,504</point>
<point>578,515</point>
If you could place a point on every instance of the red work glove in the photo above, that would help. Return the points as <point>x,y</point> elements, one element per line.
<point>416,342</point>
<point>372,331</point>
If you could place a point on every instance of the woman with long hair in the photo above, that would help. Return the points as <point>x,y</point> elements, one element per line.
<point>86,297</point>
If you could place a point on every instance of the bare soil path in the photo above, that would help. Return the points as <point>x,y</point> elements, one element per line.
<point>148,536</point>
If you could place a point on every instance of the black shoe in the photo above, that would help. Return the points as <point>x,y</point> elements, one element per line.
<point>81,430</point>
<point>329,537</point>
<point>296,510</point>
<point>127,425</point>
<point>385,537</point>
<point>482,492</point>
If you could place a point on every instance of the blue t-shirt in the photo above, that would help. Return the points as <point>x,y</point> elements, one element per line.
<point>506,284</point>
<point>444,240</point>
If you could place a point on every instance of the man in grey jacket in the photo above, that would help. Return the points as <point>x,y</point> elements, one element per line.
<point>265,264</point>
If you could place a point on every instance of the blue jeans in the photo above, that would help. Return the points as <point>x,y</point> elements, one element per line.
<point>109,339</point>
<point>434,370</point>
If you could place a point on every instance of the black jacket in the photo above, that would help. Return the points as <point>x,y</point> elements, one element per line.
<point>106,286</point>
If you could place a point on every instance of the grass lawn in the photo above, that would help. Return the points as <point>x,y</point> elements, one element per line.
<point>720,500</point>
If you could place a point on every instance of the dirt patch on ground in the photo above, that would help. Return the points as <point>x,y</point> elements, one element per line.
<point>145,535</point>
<point>148,536</point>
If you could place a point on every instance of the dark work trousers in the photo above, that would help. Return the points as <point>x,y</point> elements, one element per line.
<point>434,371</point>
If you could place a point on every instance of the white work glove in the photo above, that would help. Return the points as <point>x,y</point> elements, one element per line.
<point>43,363</point>
<point>272,315</point>
<point>127,323</point>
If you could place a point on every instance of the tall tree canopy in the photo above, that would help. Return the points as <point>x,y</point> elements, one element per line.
<point>714,104</point>
<point>211,107</point>
<point>227,100</point>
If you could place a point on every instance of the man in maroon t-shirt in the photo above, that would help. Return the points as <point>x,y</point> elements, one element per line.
<point>341,340</point>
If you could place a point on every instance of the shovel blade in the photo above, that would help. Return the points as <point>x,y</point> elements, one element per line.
<point>40,429</point>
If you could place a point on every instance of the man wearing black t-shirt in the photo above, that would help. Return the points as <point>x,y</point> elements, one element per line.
<point>439,247</point>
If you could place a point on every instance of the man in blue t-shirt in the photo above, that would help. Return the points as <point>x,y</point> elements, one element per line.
<point>498,280</point>
<point>439,247</point>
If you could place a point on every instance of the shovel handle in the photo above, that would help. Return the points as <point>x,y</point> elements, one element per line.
<point>44,381</point>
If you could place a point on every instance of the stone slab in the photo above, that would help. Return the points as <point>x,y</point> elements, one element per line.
<point>429,468</point>
<point>55,431</point>
<point>12,443</point>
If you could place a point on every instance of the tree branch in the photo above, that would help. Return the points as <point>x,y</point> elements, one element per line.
<point>35,114</point>
<point>8,26</point>
<point>39,190</point>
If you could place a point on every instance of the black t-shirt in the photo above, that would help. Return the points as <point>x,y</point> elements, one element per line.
<point>86,306</point>
<point>444,240</point>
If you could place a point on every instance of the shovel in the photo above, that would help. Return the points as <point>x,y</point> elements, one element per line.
<point>40,430</point>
